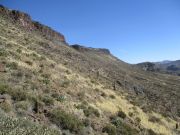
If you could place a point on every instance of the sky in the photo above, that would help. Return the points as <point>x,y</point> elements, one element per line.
<point>133,30</point>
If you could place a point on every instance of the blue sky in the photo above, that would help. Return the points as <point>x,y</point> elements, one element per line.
<point>133,30</point>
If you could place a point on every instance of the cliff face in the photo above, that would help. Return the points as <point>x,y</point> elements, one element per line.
<point>28,24</point>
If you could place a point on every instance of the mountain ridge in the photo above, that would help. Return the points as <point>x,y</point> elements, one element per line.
<point>30,25</point>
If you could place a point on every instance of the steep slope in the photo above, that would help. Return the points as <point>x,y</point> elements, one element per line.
<point>79,90</point>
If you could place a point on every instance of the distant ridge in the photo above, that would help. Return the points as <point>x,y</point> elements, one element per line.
<point>82,48</point>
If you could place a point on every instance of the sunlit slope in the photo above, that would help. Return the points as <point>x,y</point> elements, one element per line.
<point>86,91</point>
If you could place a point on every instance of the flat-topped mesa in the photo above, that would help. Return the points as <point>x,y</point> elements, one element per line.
<point>25,21</point>
<point>84,49</point>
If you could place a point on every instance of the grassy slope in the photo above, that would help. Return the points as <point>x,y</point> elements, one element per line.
<point>45,69</point>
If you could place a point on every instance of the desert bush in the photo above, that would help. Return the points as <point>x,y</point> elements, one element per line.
<point>3,52</point>
<point>122,127</point>
<point>88,110</point>
<point>138,120</point>
<point>109,129</point>
<point>65,83</point>
<point>91,111</point>
<point>61,98</point>
<point>154,119</point>
<point>24,105</point>
<point>6,106</point>
<point>68,72</point>
<point>18,74</point>
<point>18,94</point>
<point>121,114</point>
<point>12,65</point>
<point>46,81</point>
<point>3,88</point>
<point>93,81</point>
<point>55,95</point>
<point>112,96</point>
<point>65,120</point>
<point>47,100</point>
<point>35,55</point>
<point>86,122</point>
<point>103,94</point>
<point>178,112</point>
<point>19,50</point>
<point>42,58</point>
<point>30,63</point>
<point>130,114</point>
<point>12,126</point>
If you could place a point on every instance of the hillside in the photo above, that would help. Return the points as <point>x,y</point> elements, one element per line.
<point>167,67</point>
<point>55,88</point>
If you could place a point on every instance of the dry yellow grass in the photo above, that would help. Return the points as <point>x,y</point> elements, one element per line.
<point>112,105</point>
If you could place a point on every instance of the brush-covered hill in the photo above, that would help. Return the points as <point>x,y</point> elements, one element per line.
<point>168,67</point>
<point>50,87</point>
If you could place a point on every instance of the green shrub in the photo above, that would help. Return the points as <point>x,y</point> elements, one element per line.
<point>88,110</point>
<point>82,106</point>
<point>104,95</point>
<point>66,121</point>
<point>112,96</point>
<point>68,72</point>
<point>18,94</point>
<point>48,100</point>
<point>109,129</point>
<point>12,65</point>
<point>121,114</point>
<point>93,81</point>
<point>19,50</point>
<point>130,114</point>
<point>3,52</point>
<point>46,81</point>
<point>65,83</point>
<point>138,120</point>
<point>3,88</point>
<point>6,106</point>
<point>18,74</point>
<point>61,98</point>
<point>22,105</point>
<point>19,126</point>
<point>34,55</point>
<point>122,127</point>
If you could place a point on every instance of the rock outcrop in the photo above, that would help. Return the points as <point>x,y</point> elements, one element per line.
<point>25,21</point>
